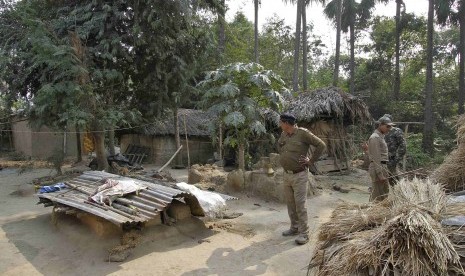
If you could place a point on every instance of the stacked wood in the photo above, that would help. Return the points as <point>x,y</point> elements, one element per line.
<point>402,234</point>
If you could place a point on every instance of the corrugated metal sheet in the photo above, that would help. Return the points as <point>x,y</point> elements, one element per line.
<point>131,209</point>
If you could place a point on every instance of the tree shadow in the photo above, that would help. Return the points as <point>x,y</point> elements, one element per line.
<point>247,261</point>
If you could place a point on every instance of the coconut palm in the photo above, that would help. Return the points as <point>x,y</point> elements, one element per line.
<point>301,21</point>
<point>351,13</point>
<point>427,143</point>
<point>453,11</point>
<point>399,5</point>
<point>256,4</point>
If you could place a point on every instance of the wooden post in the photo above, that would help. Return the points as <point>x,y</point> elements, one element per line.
<point>187,144</point>
<point>404,160</point>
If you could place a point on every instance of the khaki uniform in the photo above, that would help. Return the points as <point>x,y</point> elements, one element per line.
<point>291,148</point>
<point>378,154</point>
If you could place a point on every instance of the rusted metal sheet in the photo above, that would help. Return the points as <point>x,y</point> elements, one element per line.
<point>130,209</point>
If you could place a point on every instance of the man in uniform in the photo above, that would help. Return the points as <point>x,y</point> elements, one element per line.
<point>378,154</point>
<point>396,148</point>
<point>293,145</point>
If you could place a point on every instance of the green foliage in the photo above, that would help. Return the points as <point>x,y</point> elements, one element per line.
<point>416,157</point>
<point>238,94</point>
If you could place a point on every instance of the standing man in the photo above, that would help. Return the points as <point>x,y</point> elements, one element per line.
<point>378,154</point>
<point>293,146</point>
<point>396,150</point>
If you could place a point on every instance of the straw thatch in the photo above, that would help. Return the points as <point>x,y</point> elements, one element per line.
<point>402,233</point>
<point>330,102</point>
<point>196,124</point>
<point>451,173</point>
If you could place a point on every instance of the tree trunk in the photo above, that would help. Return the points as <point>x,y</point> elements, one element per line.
<point>352,57</point>
<point>461,95</point>
<point>177,137</point>
<point>221,34</point>
<point>111,141</point>
<point>99,146</point>
<point>305,47</point>
<point>241,157</point>
<point>78,144</point>
<point>338,44</point>
<point>256,31</point>
<point>295,75</point>
<point>427,142</point>
<point>396,91</point>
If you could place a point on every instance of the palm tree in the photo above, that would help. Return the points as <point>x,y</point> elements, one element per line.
<point>461,18</point>
<point>352,12</point>
<point>427,142</point>
<point>301,21</point>
<point>256,3</point>
<point>396,92</point>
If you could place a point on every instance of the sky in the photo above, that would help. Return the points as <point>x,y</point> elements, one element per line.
<point>323,27</point>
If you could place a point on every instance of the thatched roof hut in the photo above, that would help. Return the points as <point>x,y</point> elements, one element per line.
<point>327,112</point>
<point>196,124</point>
<point>329,103</point>
<point>158,137</point>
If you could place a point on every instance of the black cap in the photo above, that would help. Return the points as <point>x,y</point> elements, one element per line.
<point>288,118</point>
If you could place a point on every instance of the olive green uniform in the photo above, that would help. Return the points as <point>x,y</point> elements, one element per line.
<point>291,148</point>
<point>378,153</point>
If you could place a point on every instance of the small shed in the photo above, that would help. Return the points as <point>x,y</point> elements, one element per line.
<point>159,137</point>
<point>327,112</point>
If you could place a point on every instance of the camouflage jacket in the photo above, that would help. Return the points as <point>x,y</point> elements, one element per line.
<point>396,144</point>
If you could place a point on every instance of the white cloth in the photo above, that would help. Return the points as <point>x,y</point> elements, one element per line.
<point>212,204</point>
<point>114,187</point>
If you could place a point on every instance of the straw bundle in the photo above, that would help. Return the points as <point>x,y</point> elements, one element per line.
<point>400,234</point>
<point>423,194</point>
<point>351,218</point>
<point>451,174</point>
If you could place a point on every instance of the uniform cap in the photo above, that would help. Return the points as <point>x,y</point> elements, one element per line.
<point>287,117</point>
<point>385,121</point>
<point>388,116</point>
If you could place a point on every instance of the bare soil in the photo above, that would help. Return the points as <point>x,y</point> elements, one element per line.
<point>251,244</point>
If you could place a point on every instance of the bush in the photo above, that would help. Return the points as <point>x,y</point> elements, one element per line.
<point>417,158</point>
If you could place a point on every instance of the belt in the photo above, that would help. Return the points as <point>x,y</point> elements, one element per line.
<point>296,171</point>
<point>383,162</point>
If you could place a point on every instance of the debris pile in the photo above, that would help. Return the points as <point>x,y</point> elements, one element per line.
<point>402,234</point>
<point>207,177</point>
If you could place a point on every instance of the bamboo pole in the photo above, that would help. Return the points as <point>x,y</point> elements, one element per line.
<point>169,161</point>
<point>187,144</point>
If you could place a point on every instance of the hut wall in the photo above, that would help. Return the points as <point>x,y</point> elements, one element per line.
<point>41,143</point>
<point>22,141</point>
<point>163,147</point>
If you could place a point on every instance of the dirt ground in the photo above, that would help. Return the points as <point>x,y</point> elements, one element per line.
<point>30,244</point>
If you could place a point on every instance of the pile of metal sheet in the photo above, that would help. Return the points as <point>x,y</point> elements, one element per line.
<point>129,211</point>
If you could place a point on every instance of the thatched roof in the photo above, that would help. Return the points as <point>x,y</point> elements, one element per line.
<point>330,102</point>
<point>197,122</point>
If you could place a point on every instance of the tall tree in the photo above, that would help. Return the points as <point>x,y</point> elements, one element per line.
<point>453,11</point>
<point>427,142</point>
<point>352,13</point>
<point>255,50</point>
<point>461,19</point>
<point>396,92</point>
<point>295,74</point>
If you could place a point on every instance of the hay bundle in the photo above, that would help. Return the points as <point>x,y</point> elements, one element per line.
<point>400,234</point>
<point>352,218</point>
<point>418,193</point>
<point>451,174</point>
